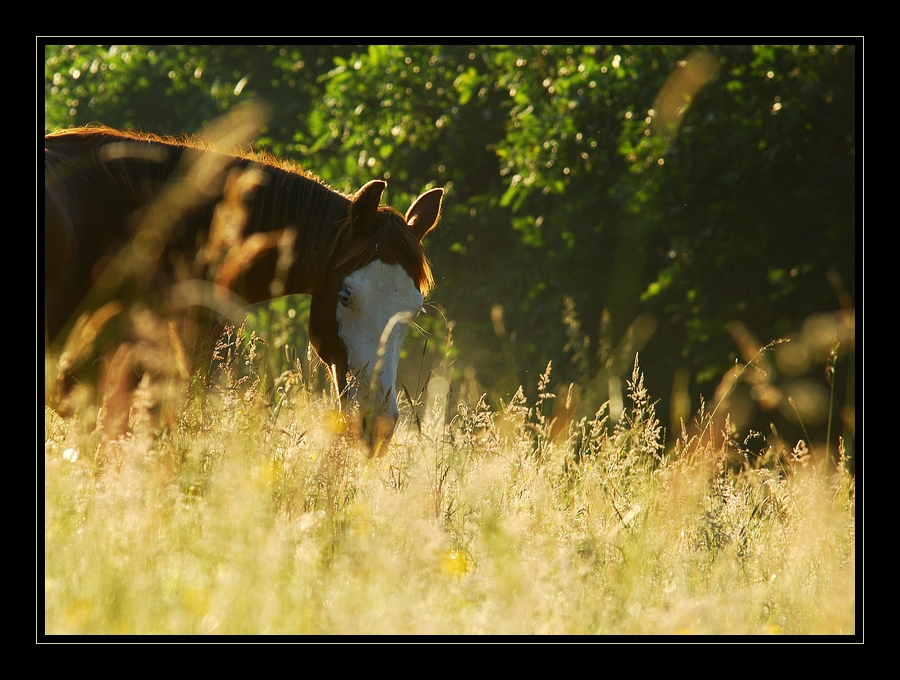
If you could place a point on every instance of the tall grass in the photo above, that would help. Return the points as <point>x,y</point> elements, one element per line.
<point>228,509</point>
<point>234,500</point>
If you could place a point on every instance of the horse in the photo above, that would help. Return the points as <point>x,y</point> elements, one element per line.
<point>137,201</point>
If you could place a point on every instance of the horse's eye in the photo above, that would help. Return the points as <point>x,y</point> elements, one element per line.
<point>344,297</point>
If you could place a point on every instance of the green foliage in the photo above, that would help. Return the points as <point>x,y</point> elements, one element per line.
<point>663,191</point>
<point>176,89</point>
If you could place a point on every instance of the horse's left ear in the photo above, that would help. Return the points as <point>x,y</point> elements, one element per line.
<point>364,206</point>
<point>424,214</point>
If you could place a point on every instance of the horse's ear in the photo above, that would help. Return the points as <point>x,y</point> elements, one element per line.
<point>364,206</point>
<point>424,214</point>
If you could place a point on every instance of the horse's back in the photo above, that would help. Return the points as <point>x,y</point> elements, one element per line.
<point>64,286</point>
<point>90,198</point>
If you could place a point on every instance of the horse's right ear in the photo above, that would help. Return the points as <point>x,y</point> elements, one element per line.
<point>364,206</point>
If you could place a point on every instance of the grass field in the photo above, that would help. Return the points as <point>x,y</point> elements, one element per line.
<point>219,511</point>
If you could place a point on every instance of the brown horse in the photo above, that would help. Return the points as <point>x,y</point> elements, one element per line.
<point>117,201</point>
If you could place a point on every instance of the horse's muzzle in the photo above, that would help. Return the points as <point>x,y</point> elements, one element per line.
<point>377,430</point>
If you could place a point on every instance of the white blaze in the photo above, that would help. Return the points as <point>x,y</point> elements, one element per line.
<point>377,293</point>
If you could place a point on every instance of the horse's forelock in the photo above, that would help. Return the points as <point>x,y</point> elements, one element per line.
<point>392,230</point>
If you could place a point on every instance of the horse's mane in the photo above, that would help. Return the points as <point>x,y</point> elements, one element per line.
<point>289,196</point>
<point>249,153</point>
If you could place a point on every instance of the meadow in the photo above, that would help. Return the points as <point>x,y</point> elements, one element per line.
<point>227,495</point>
<point>235,502</point>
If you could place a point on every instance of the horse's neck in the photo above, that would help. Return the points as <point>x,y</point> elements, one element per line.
<point>311,212</point>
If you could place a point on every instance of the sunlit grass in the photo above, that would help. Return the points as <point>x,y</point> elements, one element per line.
<point>237,516</point>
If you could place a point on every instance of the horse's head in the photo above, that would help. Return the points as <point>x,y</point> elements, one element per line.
<point>375,286</point>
